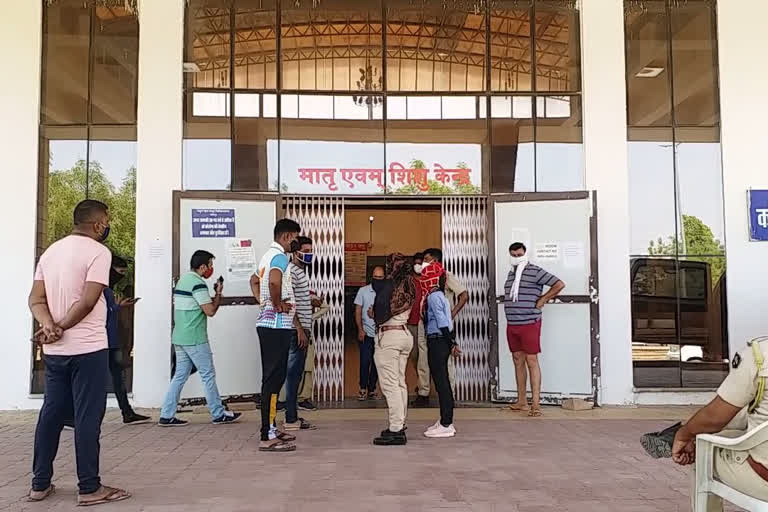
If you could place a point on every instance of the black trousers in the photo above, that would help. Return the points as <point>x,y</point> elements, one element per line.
<point>274,344</point>
<point>75,386</point>
<point>118,381</point>
<point>438,352</point>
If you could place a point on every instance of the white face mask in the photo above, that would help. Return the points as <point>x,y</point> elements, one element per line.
<point>425,265</point>
<point>418,268</point>
<point>518,260</point>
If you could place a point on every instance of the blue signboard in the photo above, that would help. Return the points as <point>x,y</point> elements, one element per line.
<point>213,223</point>
<point>758,215</point>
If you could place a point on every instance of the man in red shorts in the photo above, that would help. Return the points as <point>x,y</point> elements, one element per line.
<point>523,302</point>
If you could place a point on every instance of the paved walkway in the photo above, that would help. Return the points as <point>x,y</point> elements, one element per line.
<point>500,462</point>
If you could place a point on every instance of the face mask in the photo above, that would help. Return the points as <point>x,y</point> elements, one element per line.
<point>518,260</point>
<point>305,257</point>
<point>208,273</point>
<point>105,234</point>
<point>377,284</point>
<point>425,265</point>
<point>418,268</point>
<point>114,277</point>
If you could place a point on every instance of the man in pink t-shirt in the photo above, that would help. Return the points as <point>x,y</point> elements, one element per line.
<point>67,301</point>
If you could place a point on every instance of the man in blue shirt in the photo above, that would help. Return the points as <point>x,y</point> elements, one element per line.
<point>366,330</point>
<point>116,274</point>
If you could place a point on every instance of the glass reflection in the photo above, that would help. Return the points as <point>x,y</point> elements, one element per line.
<point>559,148</point>
<point>558,49</point>
<point>207,146</point>
<point>207,52</point>
<point>255,44</point>
<point>512,147</point>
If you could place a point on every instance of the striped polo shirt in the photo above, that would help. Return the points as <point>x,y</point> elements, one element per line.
<point>300,283</point>
<point>524,311</point>
<point>190,325</point>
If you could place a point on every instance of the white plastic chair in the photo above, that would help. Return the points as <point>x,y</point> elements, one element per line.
<point>705,481</point>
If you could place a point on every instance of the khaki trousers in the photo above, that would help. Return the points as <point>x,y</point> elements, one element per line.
<point>422,360</point>
<point>307,378</point>
<point>391,358</point>
<point>731,468</point>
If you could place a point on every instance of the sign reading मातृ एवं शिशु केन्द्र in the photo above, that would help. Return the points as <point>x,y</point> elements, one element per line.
<point>213,223</point>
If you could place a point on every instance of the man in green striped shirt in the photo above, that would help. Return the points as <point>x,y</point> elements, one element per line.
<point>192,305</point>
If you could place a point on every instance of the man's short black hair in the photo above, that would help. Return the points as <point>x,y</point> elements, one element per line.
<point>284,226</point>
<point>199,259</point>
<point>517,246</point>
<point>89,211</point>
<point>435,253</point>
<point>118,262</point>
<point>418,256</point>
<point>303,240</point>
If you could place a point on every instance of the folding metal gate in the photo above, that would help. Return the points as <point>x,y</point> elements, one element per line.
<point>465,253</point>
<point>322,219</point>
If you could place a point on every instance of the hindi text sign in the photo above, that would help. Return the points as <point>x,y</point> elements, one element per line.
<point>758,215</point>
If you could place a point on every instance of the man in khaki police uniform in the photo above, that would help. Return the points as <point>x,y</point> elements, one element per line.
<point>457,296</point>
<point>741,405</point>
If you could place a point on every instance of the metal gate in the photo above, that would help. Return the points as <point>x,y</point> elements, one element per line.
<point>322,219</point>
<point>465,253</point>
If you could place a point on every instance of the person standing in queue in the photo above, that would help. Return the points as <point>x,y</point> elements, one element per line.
<point>441,345</point>
<point>366,331</point>
<point>523,302</point>
<point>415,323</point>
<point>457,296</point>
<point>67,300</point>
<point>192,305</point>
<point>275,328</point>
<point>302,321</point>
<point>392,307</point>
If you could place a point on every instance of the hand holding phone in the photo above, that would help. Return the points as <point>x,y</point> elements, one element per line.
<point>219,286</point>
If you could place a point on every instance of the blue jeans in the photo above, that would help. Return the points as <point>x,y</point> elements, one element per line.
<point>296,359</point>
<point>368,373</point>
<point>202,358</point>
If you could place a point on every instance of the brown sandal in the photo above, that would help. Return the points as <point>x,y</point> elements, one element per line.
<point>278,446</point>
<point>110,494</point>
<point>285,437</point>
<point>36,496</point>
<point>519,407</point>
<point>535,412</point>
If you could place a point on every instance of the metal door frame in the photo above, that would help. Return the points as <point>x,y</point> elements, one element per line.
<point>592,299</point>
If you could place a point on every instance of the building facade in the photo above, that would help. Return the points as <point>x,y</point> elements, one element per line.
<point>616,137</point>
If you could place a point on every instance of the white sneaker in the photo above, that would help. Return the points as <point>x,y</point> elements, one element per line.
<point>441,431</point>
<point>432,427</point>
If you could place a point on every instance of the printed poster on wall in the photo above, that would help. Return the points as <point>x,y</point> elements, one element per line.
<point>213,223</point>
<point>241,260</point>
<point>548,252</point>
<point>355,264</point>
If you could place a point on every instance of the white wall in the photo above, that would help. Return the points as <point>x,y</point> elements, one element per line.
<point>605,143</point>
<point>20,44</point>
<point>742,41</point>
<point>161,38</point>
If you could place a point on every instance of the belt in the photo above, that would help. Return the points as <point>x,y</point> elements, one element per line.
<point>758,468</point>
<point>386,328</point>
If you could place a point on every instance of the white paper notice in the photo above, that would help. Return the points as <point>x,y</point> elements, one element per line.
<point>573,254</point>
<point>156,249</point>
<point>547,252</point>
<point>241,261</point>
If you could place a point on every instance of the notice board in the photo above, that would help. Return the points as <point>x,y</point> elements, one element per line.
<point>355,264</point>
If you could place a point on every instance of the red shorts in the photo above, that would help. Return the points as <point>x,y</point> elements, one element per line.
<point>524,338</point>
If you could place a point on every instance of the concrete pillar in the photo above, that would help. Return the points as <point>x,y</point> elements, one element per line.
<point>161,44</point>
<point>605,151</point>
<point>19,133</point>
<point>742,40</point>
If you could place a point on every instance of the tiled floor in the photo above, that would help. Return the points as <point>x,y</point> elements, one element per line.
<point>499,462</point>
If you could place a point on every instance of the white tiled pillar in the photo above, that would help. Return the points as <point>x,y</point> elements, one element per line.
<point>742,41</point>
<point>605,148</point>
<point>161,43</point>
<point>20,47</point>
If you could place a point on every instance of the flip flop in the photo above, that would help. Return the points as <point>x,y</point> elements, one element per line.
<point>285,437</point>
<point>278,447</point>
<point>112,494</point>
<point>35,496</point>
<point>535,412</point>
<point>517,407</point>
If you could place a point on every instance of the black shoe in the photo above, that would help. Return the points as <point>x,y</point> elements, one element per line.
<point>135,419</point>
<point>306,405</point>
<point>659,444</point>
<point>225,419</point>
<point>280,406</point>
<point>389,438</point>
<point>172,422</point>
<point>421,401</point>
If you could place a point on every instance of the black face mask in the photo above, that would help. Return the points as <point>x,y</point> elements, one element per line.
<point>377,284</point>
<point>114,277</point>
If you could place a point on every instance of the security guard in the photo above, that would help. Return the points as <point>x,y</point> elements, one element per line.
<point>741,405</point>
